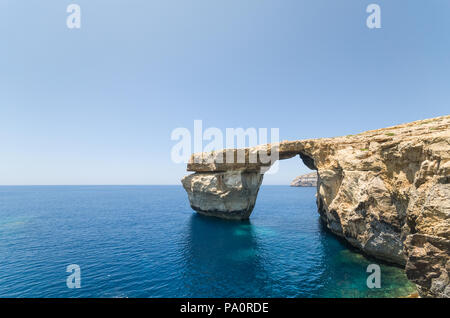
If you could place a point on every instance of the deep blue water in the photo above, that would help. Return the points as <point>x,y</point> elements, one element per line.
<point>145,241</point>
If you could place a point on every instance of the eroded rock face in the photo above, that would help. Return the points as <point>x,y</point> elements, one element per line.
<point>229,195</point>
<point>385,191</point>
<point>428,264</point>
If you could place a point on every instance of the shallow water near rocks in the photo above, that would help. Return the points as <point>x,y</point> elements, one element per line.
<point>145,241</point>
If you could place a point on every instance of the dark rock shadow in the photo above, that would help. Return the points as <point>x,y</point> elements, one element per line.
<point>222,258</point>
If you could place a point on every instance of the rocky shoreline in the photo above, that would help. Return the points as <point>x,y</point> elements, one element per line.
<point>385,191</point>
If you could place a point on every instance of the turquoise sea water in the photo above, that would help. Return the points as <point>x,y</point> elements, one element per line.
<point>145,241</point>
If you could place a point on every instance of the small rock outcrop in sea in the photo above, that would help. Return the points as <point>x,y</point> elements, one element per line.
<point>305,180</point>
<point>385,191</point>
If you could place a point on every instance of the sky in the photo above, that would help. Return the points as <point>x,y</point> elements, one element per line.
<point>97,105</point>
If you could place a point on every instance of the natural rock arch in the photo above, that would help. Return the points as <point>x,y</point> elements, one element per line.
<point>385,191</point>
<point>228,190</point>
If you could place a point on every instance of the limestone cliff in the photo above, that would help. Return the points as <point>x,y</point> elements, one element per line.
<point>385,191</point>
<point>305,180</point>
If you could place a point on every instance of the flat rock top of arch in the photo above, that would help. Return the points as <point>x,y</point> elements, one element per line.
<point>431,130</point>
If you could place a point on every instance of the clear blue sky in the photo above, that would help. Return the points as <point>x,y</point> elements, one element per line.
<point>97,105</point>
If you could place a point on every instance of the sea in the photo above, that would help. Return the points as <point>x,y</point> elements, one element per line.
<point>146,241</point>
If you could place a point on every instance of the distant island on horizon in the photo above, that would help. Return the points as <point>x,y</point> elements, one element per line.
<point>305,180</point>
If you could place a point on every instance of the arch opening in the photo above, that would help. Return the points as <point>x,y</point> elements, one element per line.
<point>230,191</point>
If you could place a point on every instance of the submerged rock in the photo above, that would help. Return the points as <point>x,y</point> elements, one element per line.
<point>386,191</point>
<point>305,180</point>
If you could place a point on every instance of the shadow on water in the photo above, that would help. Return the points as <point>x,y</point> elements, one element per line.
<point>283,251</point>
<point>222,258</point>
<point>346,274</point>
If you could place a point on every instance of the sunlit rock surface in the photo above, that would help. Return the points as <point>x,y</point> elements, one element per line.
<point>229,195</point>
<point>385,191</point>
